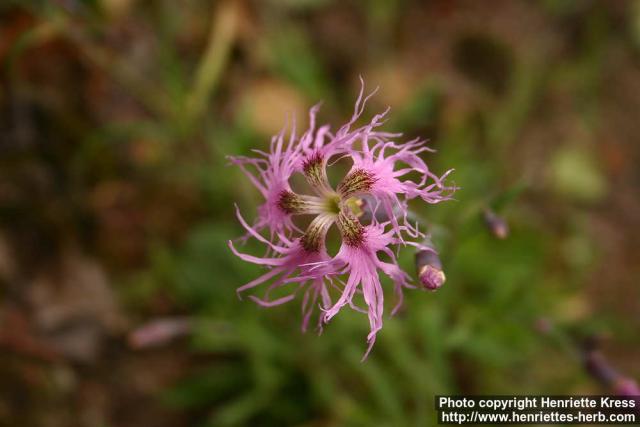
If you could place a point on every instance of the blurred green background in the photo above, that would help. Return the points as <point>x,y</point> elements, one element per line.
<point>117,289</point>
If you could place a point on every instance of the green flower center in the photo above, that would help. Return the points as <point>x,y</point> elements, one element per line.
<point>333,203</point>
<point>341,207</point>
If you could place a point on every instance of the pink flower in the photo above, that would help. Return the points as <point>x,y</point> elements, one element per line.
<point>291,266</point>
<point>358,257</point>
<point>274,169</point>
<point>375,173</point>
<point>297,260</point>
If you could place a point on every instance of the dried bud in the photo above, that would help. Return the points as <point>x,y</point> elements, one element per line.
<point>496,224</point>
<point>599,367</point>
<point>543,326</point>
<point>626,387</point>
<point>159,332</point>
<point>429,268</point>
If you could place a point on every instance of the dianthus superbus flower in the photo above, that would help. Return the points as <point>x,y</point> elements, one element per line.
<point>297,259</point>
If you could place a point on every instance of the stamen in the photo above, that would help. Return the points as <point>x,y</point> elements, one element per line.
<point>295,204</point>
<point>350,228</point>
<point>316,174</point>
<point>356,206</point>
<point>358,181</point>
<point>289,202</point>
<point>314,238</point>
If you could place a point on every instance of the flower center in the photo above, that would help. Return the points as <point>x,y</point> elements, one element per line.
<point>331,206</point>
<point>333,203</point>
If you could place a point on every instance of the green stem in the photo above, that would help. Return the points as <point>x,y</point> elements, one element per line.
<point>221,36</point>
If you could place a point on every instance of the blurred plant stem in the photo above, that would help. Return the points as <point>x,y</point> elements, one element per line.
<point>558,337</point>
<point>221,36</point>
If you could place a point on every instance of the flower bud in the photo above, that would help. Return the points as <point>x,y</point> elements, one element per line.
<point>496,224</point>
<point>429,268</point>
